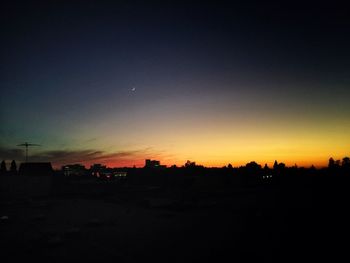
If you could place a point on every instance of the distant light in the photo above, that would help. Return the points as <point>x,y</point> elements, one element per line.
<point>120,174</point>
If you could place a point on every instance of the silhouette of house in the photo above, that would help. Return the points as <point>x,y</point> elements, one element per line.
<point>153,164</point>
<point>35,169</point>
<point>35,179</point>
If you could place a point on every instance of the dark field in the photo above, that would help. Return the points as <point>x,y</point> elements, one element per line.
<point>183,219</point>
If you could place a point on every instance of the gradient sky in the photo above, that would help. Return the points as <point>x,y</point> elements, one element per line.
<point>217,83</point>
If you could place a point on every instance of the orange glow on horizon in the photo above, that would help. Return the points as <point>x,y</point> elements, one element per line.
<point>209,164</point>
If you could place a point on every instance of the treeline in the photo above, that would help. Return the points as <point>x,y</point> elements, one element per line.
<point>335,167</point>
<point>11,171</point>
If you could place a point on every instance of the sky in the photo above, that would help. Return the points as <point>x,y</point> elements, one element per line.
<point>215,83</point>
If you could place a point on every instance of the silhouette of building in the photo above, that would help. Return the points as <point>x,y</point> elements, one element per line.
<point>35,179</point>
<point>98,169</point>
<point>153,164</point>
<point>35,169</point>
<point>112,174</point>
<point>74,170</point>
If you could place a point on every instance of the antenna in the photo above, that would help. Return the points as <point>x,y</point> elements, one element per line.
<point>26,144</point>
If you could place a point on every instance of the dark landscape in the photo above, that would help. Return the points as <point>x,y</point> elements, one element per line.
<point>189,214</point>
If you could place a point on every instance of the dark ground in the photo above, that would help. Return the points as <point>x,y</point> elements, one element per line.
<point>89,221</point>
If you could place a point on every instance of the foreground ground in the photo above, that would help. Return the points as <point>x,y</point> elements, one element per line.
<point>271,222</point>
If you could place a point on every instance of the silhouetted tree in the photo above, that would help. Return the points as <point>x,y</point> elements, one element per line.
<point>252,171</point>
<point>346,162</point>
<point>331,163</point>
<point>3,169</point>
<point>253,166</point>
<point>190,164</point>
<point>334,166</point>
<point>229,166</point>
<point>278,168</point>
<point>13,167</point>
<point>281,166</point>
